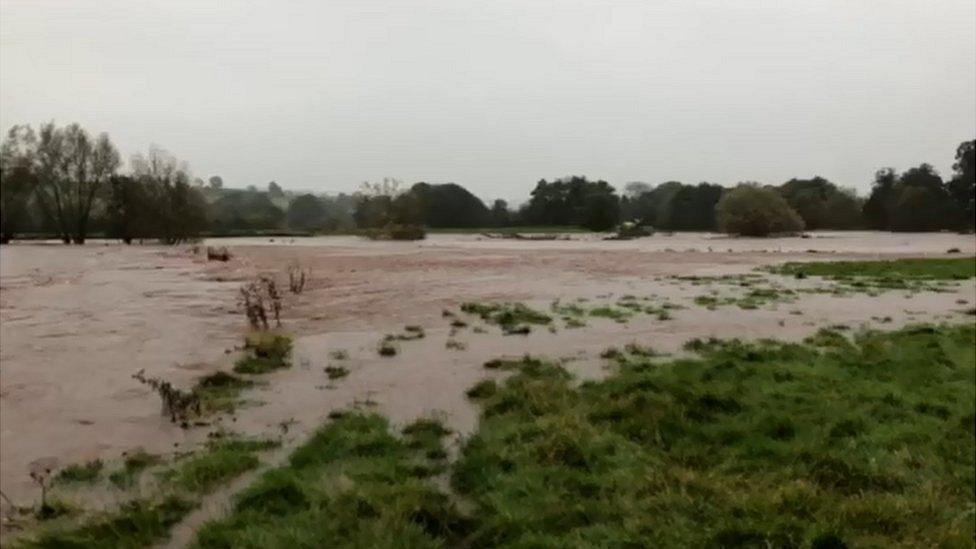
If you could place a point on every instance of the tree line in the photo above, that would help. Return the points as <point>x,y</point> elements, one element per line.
<point>64,181</point>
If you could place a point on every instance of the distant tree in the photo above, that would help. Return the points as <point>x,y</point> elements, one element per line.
<point>179,211</point>
<point>499,215</point>
<point>751,210</point>
<point>446,205</point>
<point>71,167</point>
<point>17,181</point>
<point>129,212</point>
<point>692,208</point>
<point>922,202</point>
<point>572,201</point>
<point>962,186</point>
<point>821,204</point>
<point>245,210</point>
<point>216,182</point>
<point>307,213</point>
<point>636,188</point>
<point>877,209</point>
<point>844,210</point>
<point>374,203</point>
<point>274,190</point>
<point>601,211</point>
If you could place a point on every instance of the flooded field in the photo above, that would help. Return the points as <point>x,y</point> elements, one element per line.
<point>77,322</point>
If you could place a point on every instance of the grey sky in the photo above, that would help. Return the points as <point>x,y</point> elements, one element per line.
<point>494,95</point>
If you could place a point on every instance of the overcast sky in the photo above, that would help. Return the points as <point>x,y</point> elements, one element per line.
<point>322,95</point>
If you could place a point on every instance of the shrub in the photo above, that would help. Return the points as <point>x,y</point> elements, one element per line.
<point>397,232</point>
<point>749,210</point>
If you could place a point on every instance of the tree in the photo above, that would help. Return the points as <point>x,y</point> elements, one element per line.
<point>877,209</point>
<point>751,210</point>
<point>216,182</point>
<point>306,213</point>
<point>692,208</point>
<point>129,212</point>
<point>179,211</point>
<point>573,201</point>
<point>499,215</point>
<point>921,202</point>
<point>446,205</point>
<point>71,168</point>
<point>821,204</point>
<point>962,186</point>
<point>17,181</point>
<point>274,190</point>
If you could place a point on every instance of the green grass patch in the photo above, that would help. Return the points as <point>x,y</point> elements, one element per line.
<point>222,461</point>
<point>134,525</point>
<point>513,318</point>
<point>81,472</point>
<point>264,353</point>
<point>132,466</point>
<point>613,313</point>
<point>352,484</point>
<point>220,392</point>
<point>863,439</point>
<point>922,274</point>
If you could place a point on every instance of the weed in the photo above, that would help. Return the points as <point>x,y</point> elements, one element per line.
<point>80,472</point>
<point>513,318</point>
<point>483,389</point>
<point>455,345</point>
<point>137,523</point>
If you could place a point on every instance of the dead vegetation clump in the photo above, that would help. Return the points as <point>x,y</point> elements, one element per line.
<point>218,254</point>
<point>178,404</point>
<point>297,277</point>
<point>259,299</point>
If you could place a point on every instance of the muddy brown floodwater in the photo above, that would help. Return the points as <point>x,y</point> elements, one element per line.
<point>77,322</point>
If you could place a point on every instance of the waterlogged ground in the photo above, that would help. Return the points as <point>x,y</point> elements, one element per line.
<point>76,323</point>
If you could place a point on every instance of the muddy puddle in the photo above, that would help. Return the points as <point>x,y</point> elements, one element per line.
<point>76,323</point>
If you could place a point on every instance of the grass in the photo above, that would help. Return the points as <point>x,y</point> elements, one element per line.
<point>264,353</point>
<point>863,441</point>
<point>849,439</point>
<point>927,274</point>
<point>133,465</point>
<point>220,391</point>
<point>513,318</point>
<point>223,461</point>
<point>352,484</point>
<point>616,314</point>
<point>925,269</point>
<point>136,524</point>
<point>81,472</point>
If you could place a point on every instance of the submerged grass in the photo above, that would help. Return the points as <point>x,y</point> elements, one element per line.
<point>863,441</point>
<point>513,318</point>
<point>264,353</point>
<point>144,521</point>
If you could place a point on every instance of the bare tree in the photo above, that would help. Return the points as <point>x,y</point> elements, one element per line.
<point>71,168</point>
